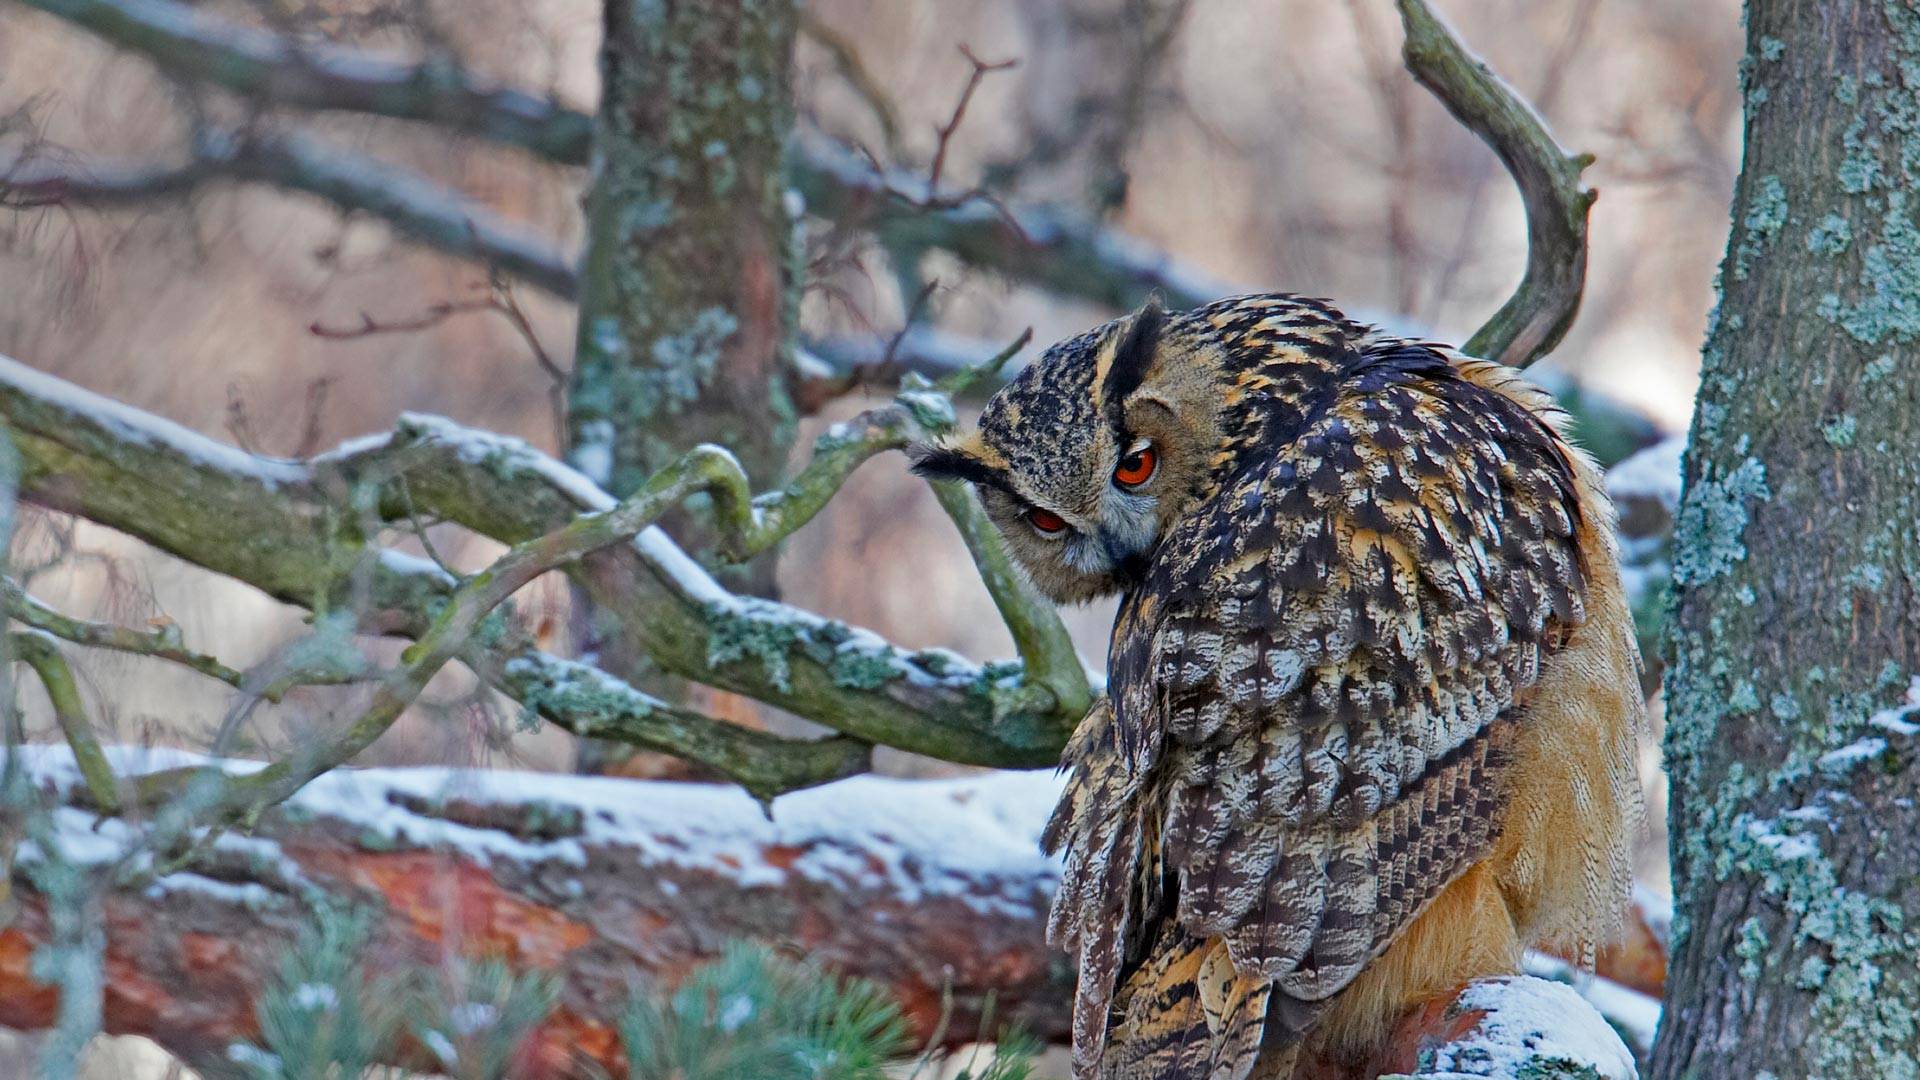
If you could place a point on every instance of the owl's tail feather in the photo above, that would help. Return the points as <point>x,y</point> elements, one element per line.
<point>1185,1014</point>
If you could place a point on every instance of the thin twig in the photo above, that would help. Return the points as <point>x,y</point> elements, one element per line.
<point>427,212</point>
<point>501,300</point>
<point>945,132</point>
<point>161,644</point>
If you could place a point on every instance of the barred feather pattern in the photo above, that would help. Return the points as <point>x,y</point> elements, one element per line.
<point>1313,691</point>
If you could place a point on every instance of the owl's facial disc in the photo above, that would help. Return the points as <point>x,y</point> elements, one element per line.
<point>1085,458</point>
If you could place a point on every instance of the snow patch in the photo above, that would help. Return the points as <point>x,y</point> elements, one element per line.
<point>971,839</point>
<point>1530,1023</point>
<point>134,425</point>
<point>1652,473</point>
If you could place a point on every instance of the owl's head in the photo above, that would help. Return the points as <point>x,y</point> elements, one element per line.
<point>1086,458</point>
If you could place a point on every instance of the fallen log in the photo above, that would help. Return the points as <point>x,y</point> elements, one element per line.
<point>934,889</point>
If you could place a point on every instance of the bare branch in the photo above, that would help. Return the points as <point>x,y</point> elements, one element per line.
<point>1537,315</point>
<point>1049,247</point>
<point>704,469</point>
<point>273,70</point>
<point>945,132</point>
<point>500,300</point>
<point>858,77</point>
<point>834,367</point>
<point>161,644</point>
<point>418,208</point>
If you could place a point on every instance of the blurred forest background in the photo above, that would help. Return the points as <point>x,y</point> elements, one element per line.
<point>1267,144</point>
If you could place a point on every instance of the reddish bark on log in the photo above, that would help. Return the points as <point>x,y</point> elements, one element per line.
<point>925,887</point>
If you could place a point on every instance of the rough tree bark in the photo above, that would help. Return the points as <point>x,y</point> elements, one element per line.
<point>690,280</point>
<point>689,287</point>
<point>1797,577</point>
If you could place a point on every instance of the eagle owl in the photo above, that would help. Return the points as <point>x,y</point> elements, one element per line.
<point>1372,711</point>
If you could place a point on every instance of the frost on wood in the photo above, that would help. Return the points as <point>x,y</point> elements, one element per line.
<point>287,529</point>
<point>923,886</point>
<point>1525,1028</point>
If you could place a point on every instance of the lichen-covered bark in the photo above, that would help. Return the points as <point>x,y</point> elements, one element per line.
<point>689,285</point>
<point>1796,631</point>
<point>689,293</point>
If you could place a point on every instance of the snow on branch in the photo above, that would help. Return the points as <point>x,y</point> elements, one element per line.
<point>283,527</point>
<point>929,888</point>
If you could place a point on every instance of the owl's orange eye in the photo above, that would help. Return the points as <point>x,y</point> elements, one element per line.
<point>1137,467</point>
<point>1046,521</point>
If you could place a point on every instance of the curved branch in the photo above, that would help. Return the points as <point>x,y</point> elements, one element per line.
<point>37,651</point>
<point>160,644</point>
<point>1537,315</point>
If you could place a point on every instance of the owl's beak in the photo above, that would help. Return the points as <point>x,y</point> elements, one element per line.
<point>1126,552</point>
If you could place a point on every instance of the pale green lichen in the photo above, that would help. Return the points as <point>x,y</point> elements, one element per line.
<point>1708,533</point>
<point>733,637</point>
<point>1751,945</point>
<point>1859,170</point>
<point>1840,431</point>
<point>1766,216</point>
<point>1887,303</point>
<point>1830,236</point>
<point>592,701</point>
<point>853,660</point>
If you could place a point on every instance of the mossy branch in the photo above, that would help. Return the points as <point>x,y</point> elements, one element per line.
<point>707,469</point>
<point>1047,654</point>
<point>161,644</point>
<point>1537,315</point>
<point>37,651</point>
<point>281,527</point>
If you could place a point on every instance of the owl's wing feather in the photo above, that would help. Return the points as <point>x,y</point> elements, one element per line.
<point>1310,715</point>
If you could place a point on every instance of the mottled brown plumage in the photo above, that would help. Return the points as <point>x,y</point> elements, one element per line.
<point>1371,714</point>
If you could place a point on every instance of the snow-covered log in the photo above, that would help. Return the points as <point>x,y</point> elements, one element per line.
<point>936,889</point>
<point>931,888</point>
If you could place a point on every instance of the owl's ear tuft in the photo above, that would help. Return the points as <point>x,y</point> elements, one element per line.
<point>933,461</point>
<point>1133,354</point>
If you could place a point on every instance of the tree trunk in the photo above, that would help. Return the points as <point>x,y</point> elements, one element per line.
<point>690,287</point>
<point>1796,634</point>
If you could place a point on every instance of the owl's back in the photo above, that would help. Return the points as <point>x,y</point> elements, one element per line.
<point>1320,698</point>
